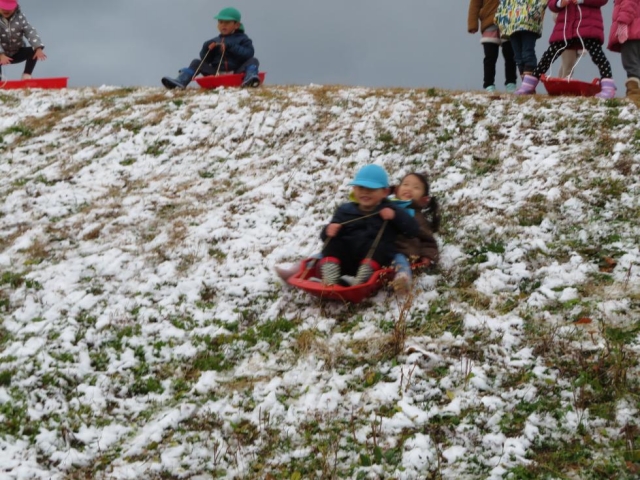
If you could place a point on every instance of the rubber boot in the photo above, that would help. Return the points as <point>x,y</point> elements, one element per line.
<point>184,78</point>
<point>251,78</point>
<point>365,270</point>
<point>608,89</point>
<point>330,270</point>
<point>528,87</point>
<point>633,88</point>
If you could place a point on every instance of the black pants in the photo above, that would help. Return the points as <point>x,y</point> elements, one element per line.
<point>25,54</point>
<point>208,69</point>
<point>491,54</point>
<point>592,46</point>
<point>351,256</point>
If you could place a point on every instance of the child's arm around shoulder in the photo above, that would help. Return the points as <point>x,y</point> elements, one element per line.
<point>404,222</point>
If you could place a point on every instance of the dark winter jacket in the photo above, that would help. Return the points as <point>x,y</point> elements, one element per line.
<point>12,33</point>
<point>423,244</point>
<point>362,233</point>
<point>587,16</point>
<point>239,49</point>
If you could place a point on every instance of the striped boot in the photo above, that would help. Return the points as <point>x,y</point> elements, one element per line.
<point>607,89</point>
<point>330,270</point>
<point>365,270</point>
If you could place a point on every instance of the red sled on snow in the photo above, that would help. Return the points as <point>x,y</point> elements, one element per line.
<point>47,83</point>
<point>353,294</point>
<point>226,80</point>
<point>567,86</point>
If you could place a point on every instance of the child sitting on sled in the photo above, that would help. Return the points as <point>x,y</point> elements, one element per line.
<point>414,188</point>
<point>13,28</point>
<point>579,23</point>
<point>361,236</point>
<point>230,52</point>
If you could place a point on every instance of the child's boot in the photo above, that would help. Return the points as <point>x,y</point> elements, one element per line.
<point>365,270</point>
<point>251,77</point>
<point>330,270</point>
<point>528,87</point>
<point>184,78</point>
<point>607,88</point>
<point>633,88</point>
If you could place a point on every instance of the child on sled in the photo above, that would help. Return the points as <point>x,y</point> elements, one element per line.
<point>412,194</point>
<point>230,52</point>
<point>14,27</point>
<point>414,188</point>
<point>579,25</point>
<point>360,237</point>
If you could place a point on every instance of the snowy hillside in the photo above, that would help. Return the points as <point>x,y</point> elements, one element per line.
<point>143,333</point>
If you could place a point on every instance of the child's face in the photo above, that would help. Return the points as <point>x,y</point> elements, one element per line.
<point>369,198</point>
<point>7,13</point>
<point>411,188</point>
<point>227,27</point>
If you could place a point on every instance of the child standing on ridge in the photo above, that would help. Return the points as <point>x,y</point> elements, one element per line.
<point>230,52</point>
<point>569,58</point>
<point>625,38</point>
<point>521,22</point>
<point>14,26</point>
<point>361,236</point>
<point>579,23</point>
<point>484,12</point>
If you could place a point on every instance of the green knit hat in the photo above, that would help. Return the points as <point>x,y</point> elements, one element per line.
<point>229,13</point>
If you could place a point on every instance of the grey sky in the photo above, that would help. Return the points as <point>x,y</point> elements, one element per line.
<point>406,43</point>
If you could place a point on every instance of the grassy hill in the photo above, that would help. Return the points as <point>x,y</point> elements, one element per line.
<point>143,333</point>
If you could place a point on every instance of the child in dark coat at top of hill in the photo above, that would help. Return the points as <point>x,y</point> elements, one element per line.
<point>230,52</point>
<point>360,237</point>
<point>14,26</point>
<point>579,23</point>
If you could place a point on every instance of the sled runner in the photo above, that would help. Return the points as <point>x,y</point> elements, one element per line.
<point>576,88</point>
<point>353,294</point>
<point>228,80</point>
<point>48,83</point>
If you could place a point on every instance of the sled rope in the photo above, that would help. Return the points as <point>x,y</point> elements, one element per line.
<point>371,250</point>
<point>566,42</point>
<point>221,58</point>
<point>195,74</point>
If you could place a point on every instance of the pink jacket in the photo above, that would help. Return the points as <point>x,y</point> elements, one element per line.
<point>625,12</point>
<point>590,26</point>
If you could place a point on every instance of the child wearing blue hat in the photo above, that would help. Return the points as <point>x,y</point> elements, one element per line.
<point>230,52</point>
<point>361,237</point>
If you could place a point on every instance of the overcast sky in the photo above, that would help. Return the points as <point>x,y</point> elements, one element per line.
<point>405,43</point>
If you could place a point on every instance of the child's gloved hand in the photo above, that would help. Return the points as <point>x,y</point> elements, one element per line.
<point>39,55</point>
<point>333,229</point>
<point>622,33</point>
<point>388,213</point>
<point>4,60</point>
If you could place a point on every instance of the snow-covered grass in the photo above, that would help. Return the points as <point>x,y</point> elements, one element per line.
<point>144,334</point>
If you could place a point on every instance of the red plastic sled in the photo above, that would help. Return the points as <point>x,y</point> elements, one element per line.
<point>48,83</point>
<point>575,88</point>
<point>354,294</point>
<point>227,80</point>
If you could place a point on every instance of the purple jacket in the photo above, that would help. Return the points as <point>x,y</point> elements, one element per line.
<point>625,12</point>
<point>590,26</point>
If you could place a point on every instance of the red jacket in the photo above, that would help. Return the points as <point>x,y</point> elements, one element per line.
<point>625,12</point>
<point>589,26</point>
